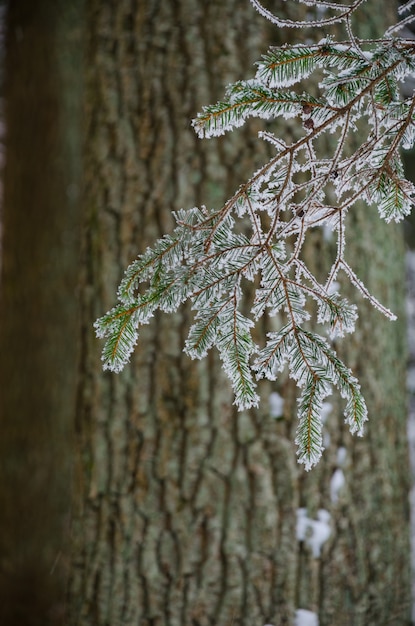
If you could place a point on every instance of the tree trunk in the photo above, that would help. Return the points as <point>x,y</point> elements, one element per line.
<point>187,511</point>
<point>38,312</point>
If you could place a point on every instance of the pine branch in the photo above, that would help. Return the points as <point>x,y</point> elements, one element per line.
<point>211,253</point>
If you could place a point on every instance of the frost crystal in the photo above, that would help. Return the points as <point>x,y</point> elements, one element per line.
<point>305,618</point>
<point>314,532</point>
<point>337,482</point>
<point>276,404</point>
<point>257,237</point>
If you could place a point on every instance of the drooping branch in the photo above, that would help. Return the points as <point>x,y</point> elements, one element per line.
<point>207,258</point>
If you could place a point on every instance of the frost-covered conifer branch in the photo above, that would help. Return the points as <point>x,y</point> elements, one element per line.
<point>259,233</point>
<point>346,11</point>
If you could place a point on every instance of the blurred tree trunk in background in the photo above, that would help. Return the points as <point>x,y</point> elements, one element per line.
<point>38,311</point>
<point>186,511</point>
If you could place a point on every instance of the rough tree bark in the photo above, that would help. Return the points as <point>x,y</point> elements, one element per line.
<point>38,311</point>
<point>187,511</point>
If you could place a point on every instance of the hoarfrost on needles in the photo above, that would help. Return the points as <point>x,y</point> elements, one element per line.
<point>258,235</point>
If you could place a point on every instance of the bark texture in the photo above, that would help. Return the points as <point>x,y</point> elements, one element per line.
<point>187,511</point>
<point>38,311</point>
